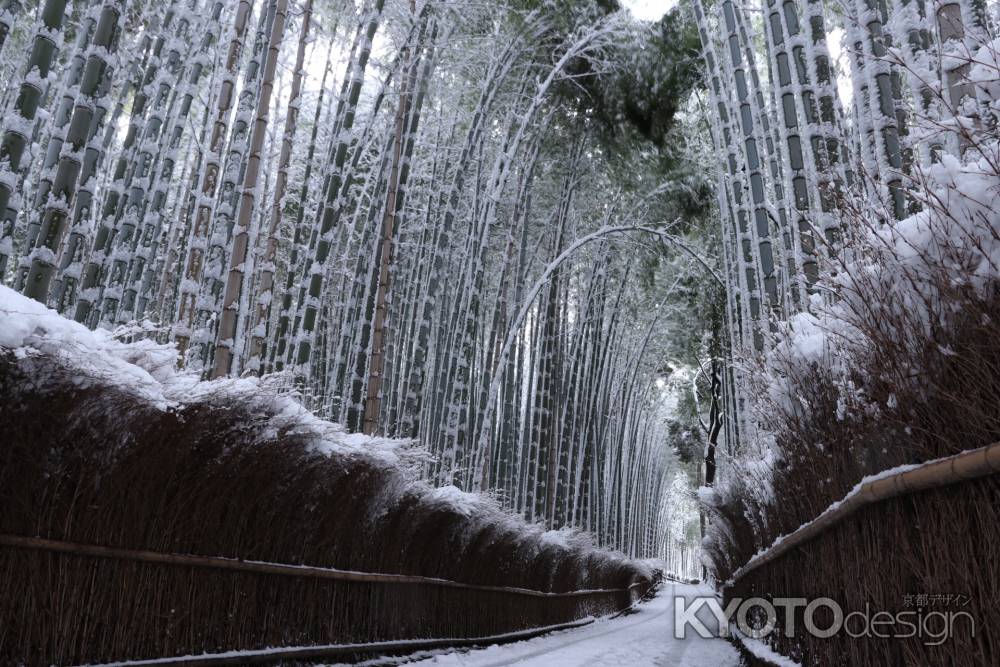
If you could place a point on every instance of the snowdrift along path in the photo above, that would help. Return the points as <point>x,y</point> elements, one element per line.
<point>642,639</point>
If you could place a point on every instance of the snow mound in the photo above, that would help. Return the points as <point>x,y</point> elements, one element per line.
<point>147,369</point>
<point>462,502</point>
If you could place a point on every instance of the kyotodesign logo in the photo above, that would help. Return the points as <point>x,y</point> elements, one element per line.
<point>821,617</point>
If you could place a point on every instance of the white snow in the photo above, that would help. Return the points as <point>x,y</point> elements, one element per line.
<point>641,639</point>
<point>148,370</point>
<point>985,71</point>
<point>460,501</point>
<point>763,651</point>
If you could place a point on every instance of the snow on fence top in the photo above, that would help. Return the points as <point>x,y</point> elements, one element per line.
<point>148,370</point>
<point>898,481</point>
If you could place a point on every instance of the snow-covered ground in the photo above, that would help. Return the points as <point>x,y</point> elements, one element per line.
<point>643,639</point>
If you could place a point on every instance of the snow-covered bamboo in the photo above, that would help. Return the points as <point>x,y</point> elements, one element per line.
<point>198,238</point>
<point>45,45</point>
<point>265,290</point>
<point>87,119</point>
<point>226,344</point>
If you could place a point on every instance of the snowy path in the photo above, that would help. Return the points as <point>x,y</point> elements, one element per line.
<point>642,639</point>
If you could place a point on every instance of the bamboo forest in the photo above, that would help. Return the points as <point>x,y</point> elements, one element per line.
<point>489,332</point>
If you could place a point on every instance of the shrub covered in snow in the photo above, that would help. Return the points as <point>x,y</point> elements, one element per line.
<point>896,361</point>
<point>105,443</point>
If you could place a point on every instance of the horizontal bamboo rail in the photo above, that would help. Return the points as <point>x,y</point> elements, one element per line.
<point>260,567</point>
<point>334,650</point>
<point>968,465</point>
<point>308,652</point>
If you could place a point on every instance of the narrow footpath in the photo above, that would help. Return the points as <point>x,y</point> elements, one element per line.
<point>640,639</point>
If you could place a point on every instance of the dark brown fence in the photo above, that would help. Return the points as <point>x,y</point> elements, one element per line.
<point>134,533</point>
<point>919,550</point>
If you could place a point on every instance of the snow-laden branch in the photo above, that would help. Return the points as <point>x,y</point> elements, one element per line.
<point>515,325</point>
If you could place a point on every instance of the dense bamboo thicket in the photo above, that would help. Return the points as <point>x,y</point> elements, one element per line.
<point>409,209</point>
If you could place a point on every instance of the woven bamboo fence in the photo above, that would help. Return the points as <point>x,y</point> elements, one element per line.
<point>133,533</point>
<point>923,540</point>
